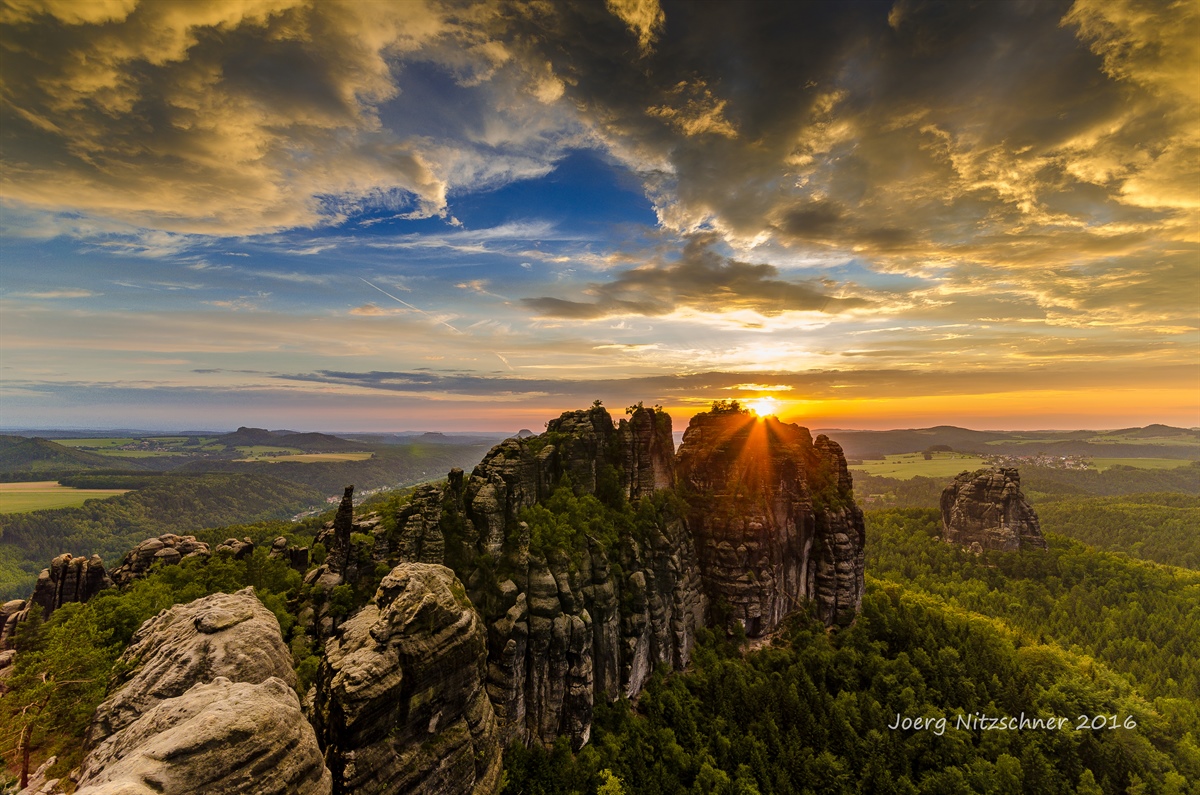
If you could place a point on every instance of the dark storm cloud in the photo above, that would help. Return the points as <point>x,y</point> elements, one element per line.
<point>888,129</point>
<point>701,280</point>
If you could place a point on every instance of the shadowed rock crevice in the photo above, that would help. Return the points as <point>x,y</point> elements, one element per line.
<point>401,705</point>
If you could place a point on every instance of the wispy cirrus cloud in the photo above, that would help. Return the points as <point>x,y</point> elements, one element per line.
<point>53,294</point>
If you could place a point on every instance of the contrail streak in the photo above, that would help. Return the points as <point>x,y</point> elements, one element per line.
<point>410,306</point>
<point>431,317</point>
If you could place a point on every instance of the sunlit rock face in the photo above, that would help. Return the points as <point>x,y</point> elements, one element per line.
<point>400,702</point>
<point>773,517</point>
<point>986,510</point>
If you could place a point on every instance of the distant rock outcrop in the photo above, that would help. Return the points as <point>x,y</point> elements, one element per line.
<point>67,579</point>
<point>401,705</point>
<point>985,510</point>
<point>204,703</point>
<point>167,549</point>
<point>774,519</point>
<point>238,548</point>
<point>296,557</point>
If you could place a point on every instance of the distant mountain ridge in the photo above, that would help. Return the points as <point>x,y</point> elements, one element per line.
<point>1152,441</point>
<point>308,442</point>
<point>18,453</point>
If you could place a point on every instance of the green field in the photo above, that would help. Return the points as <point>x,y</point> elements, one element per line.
<point>44,494</point>
<point>94,444</point>
<point>910,465</point>
<point>1157,441</point>
<point>1138,463</point>
<point>308,458</point>
<point>137,453</point>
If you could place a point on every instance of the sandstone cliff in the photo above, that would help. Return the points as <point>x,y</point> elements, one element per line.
<point>168,549</point>
<point>774,519</point>
<point>985,509</point>
<point>588,617</point>
<point>554,576</point>
<point>67,579</point>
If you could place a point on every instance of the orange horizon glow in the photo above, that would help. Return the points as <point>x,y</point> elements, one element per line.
<point>1017,410</point>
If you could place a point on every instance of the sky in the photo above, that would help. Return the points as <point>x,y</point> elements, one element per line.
<point>371,215</point>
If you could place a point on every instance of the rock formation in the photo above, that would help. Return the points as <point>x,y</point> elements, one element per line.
<point>343,561</point>
<point>774,519</point>
<point>985,509</point>
<point>204,702</point>
<point>296,557</point>
<point>401,706</point>
<point>569,627</point>
<point>68,579</point>
<point>238,548</point>
<point>563,630</point>
<point>167,549</point>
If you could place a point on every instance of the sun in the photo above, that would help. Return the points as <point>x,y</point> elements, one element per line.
<point>763,406</point>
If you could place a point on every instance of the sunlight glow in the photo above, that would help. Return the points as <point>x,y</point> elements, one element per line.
<point>763,406</point>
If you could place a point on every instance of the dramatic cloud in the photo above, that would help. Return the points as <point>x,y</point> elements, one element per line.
<point>700,280</point>
<point>239,117</point>
<point>892,200</point>
<point>899,130</point>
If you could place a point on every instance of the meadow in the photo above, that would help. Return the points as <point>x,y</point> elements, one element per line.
<point>278,455</point>
<point>911,465</point>
<point>45,494</point>
<point>95,445</point>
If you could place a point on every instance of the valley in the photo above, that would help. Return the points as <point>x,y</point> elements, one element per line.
<point>929,629</point>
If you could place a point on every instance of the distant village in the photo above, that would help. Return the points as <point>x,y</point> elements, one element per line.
<point>334,499</point>
<point>1039,460</point>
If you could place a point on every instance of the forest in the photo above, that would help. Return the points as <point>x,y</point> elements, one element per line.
<point>1101,632</point>
<point>1074,633</point>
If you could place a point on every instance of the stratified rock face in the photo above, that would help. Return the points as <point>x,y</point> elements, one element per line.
<point>635,457</point>
<point>985,509</point>
<point>773,517</point>
<point>565,631</point>
<point>401,705</point>
<point>205,705</point>
<point>167,549</point>
<point>68,579</point>
<point>569,628</point>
